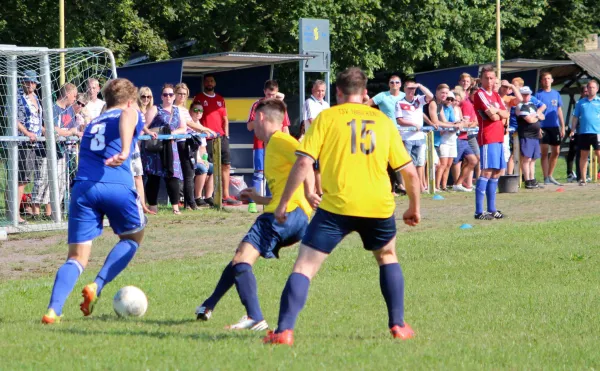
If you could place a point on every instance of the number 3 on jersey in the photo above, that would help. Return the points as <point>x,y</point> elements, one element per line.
<point>364,133</point>
<point>97,143</point>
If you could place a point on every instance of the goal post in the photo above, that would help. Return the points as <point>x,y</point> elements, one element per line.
<point>55,159</point>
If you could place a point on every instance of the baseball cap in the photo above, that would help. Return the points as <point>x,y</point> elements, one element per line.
<point>451,95</point>
<point>525,90</point>
<point>30,75</point>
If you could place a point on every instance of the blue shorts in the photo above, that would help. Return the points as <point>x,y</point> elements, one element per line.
<point>492,156</point>
<point>200,168</point>
<point>259,159</point>
<point>326,230</point>
<point>91,201</point>
<point>463,149</point>
<point>268,236</point>
<point>530,147</point>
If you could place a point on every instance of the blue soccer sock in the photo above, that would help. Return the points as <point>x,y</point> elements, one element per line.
<point>225,282</point>
<point>491,195</point>
<point>245,283</point>
<point>117,260</point>
<point>293,299</point>
<point>391,282</point>
<point>65,280</point>
<point>480,190</point>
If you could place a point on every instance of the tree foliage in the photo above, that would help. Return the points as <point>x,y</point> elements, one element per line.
<point>403,35</point>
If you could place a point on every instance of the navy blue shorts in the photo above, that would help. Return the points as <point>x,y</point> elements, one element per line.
<point>326,230</point>
<point>530,147</point>
<point>268,236</point>
<point>463,149</point>
<point>91,201</point>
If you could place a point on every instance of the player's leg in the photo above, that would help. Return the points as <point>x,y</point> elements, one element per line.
<point>554,153</point>
<point>258,176</point>
<point>323,234</point>
<point>85,224</point>
<point>584,153</point>
<point>126,217</point>
<point>66,278</point>
<point>482,183</point>
<point>545,147</point>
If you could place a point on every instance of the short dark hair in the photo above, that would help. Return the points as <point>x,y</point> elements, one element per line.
<point>271,85</point>
<point>167,86</point>
<point>119,91</point>
<point>391,77</point>
<point>487,68</point>
<point>582,88</point>
<point>207,76</point>
<point>351,81</point>
<point>406,82</point>
<point>274,109</point>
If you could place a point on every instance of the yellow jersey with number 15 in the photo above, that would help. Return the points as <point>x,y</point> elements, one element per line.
<point>354,144</point>
<point>280,156</point>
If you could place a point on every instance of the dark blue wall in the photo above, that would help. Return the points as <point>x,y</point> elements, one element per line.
<point>153,75</point>
<point>243,83</point>
<point>449,76</point>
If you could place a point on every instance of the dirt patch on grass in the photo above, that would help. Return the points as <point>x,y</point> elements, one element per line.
<point>196,233</point>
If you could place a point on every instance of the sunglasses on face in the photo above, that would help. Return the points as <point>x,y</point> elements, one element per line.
<point>394,82</point>
<point>196,110</point>
<point>80,104</point>
<point>168,95</point>
<point>146,96</point>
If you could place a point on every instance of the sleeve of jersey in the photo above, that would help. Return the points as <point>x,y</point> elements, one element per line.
<point>560,103</point>
<point>576,110</point>
<point>378,98</point>
<point>252,112</point>
<point>286,120</point>
<point>479,104</point>
<point>313,140</point>
<point>398,157</point>
<point>398,110</point>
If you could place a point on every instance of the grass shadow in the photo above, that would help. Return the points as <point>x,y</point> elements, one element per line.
<point>202,336</point>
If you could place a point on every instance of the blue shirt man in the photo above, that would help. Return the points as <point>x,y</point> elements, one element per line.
<point>386,101</point>
<point>553,103</point>
<point>586,122</point>
<point>587,111</point>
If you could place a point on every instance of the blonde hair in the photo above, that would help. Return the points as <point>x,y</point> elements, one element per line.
<point>442,86</point>
<point>144,90</point>
<point>463,75</point>
<point>459,92</point>
<point>182,85</point>
<point>518,82</point>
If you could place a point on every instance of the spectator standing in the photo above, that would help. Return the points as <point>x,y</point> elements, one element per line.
<point>409,113</point>
<point>82,117</point>
<point>386,101</point>
<point>203,170</point>
<point>144,101</point>
<point>529,116</point>
<point>470,86</point>
<point>511,97</point>
<point>574,154</point>
<point>490,113</point>
<point>95,104</point>
<point>166,164</point>
<point>314,105</point>
<point>186,155</point>
<point>271,90</point>
<point>465,157</point>
<point>553,127</point>
<point>29,121</point>
<point>64,125</point>
<point>586,122</point>
<point>215,118</point>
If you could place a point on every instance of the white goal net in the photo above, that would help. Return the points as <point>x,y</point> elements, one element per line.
<point>37,165</point>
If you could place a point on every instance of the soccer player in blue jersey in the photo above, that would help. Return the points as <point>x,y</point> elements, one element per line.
<point>103,186</point>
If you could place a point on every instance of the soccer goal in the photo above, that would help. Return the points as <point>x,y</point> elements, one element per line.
<point>36,176</point>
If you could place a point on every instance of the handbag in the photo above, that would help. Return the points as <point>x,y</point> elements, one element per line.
<point>157,145</point>
<point>154,145</point>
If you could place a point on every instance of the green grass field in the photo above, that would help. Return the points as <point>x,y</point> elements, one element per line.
<point>520,293</point>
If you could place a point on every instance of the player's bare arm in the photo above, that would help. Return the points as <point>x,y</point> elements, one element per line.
<point>309,190</point>
<point>561,119</point>
<point>250,194</point>
<point>226,126</point>
<point>433,118</point>
<point>412,216</point>
<point>298,174</point>
<point>127,124</point>
<point>403,122</point>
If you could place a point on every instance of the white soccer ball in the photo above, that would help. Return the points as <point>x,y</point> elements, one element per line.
<point>130,302</point>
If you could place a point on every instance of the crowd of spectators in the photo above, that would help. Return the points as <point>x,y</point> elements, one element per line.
<point>186,165</point>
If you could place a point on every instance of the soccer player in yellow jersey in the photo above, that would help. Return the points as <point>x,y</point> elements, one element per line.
<point>266,236</point>
<point>354,144</point>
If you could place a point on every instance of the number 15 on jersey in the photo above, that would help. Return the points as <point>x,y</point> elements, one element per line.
<point>366,146</point>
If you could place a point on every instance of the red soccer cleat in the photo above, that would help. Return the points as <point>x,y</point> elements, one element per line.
<point>286,337</point>
<point>403,333</point>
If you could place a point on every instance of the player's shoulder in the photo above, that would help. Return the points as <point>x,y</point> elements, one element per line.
<point>280,142</point>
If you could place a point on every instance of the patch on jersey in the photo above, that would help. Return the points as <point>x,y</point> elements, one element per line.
<point>554,102</point>
<point>205,103</point>
<point>219,104</point>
